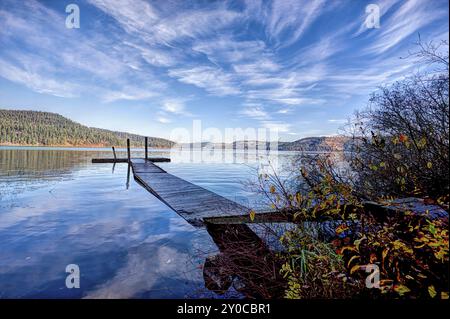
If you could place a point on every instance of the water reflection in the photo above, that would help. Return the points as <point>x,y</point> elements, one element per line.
<point>57,208</point>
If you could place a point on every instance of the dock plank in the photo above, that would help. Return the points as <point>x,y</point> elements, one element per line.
<point>125,160</point>
<point>192,202</point>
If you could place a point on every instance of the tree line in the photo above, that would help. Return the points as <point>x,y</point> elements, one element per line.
<point>19,127</point>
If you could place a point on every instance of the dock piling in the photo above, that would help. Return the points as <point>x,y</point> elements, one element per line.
<point>146,148</point>
<point>114,153</point>
<point>128,150</point>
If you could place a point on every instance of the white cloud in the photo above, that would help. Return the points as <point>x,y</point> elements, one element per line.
<point>255,111</point>
<point>163,120</point>
<point>406,21</point>
<point>127,93</point>
<point>278,126</point>
<point>213,80</point>
<point>257,54</point>
<point>133,15</point>
<point>37,82</point>
<point>225,49</point>
<point>175,106</point>
<point>338,121</point>
<point>293,17</point>
<point>54,58</point>
<point>161,27</point>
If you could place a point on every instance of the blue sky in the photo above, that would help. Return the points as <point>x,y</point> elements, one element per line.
<point>148,67</point>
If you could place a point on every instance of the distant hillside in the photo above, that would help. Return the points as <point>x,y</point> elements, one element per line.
<point>51,129</point>
<point>308,144</point>
<point>317,144</point>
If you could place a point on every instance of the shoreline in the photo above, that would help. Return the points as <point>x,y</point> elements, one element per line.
<point>77,146</point>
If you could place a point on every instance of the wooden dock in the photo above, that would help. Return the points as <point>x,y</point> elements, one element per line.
<point>199,206</point>
<point>192,202</point>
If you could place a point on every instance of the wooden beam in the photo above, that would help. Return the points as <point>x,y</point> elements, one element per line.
<point>125,160</point>
<point>109,160</point>
<point>262,217</point>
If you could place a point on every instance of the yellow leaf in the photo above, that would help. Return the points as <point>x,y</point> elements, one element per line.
<point>429,165</point>
<point>444,295</point>
<point>341,228</point>
<point>358,242</point>
<point>352,259</point>
<point>385,282</point>
<point>350,248</point>
<point>432,291</point>
<point>384,254</point>
<point>401,289</point>
<point>354,268</point>
<point>252,215</point>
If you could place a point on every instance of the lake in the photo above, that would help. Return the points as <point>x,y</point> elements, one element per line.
<point>57,208</point>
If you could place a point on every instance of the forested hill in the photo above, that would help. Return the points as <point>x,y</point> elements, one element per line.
<point>51,129</point>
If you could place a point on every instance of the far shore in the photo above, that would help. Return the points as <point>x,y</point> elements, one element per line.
<point>80,146</point>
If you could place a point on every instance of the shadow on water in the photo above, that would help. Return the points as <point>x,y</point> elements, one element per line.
<point>244,261</point>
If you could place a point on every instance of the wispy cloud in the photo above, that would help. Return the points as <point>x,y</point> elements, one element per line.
<point>36,82</point>
<point>213,80</point>
<point>63,62</point>
<point>277,126</point>
<point>163,120</point>
<point>255,111</point>
<point>404,22</point>
<point>175,106</point>
<point>266,62</point>
<point>292,17</point>
<point>338,121</point>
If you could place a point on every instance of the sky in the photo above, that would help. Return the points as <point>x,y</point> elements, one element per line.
<point>301,67</point>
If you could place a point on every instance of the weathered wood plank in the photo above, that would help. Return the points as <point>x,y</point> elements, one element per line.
<point>192,202</point>
<point>263,217</point>
<point>143,168</point>
<point>125,160</point>
<point>109,160</point>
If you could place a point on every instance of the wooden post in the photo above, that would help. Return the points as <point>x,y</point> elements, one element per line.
<point>146,148</point>
<point>114,152</point>
<point>128,150</point>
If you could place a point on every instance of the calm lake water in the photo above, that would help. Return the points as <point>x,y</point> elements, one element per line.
<point>56,208</point>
